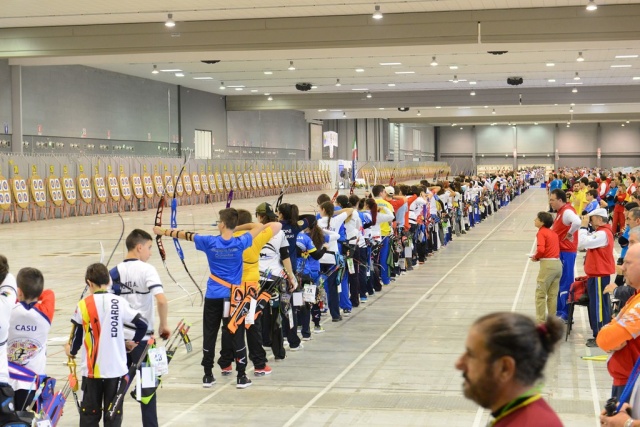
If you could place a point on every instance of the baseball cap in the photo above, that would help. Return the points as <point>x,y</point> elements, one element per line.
<point>265,209</point>
<point>599,212</point>
<point>389,190</point>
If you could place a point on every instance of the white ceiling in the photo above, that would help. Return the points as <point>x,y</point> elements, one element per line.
<point>322,66</point>
<point>33,13</point>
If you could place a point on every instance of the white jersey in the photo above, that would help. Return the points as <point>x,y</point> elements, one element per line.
<point>270,254</point>
<point>139,284</point>
<point>27,345</point>
<point>416,209</point>
<point>8,297</point>
<point>384,215</point>
<point>352,228</point>
<point>334,225</point>
<point>103,351</point>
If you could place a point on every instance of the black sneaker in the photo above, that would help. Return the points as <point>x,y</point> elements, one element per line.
<point>337,319</point>
<point>208,381</point>
<point>243,382</point>
<point>591,342</point>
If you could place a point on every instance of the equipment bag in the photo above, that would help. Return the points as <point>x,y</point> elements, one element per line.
<point>578,291</point>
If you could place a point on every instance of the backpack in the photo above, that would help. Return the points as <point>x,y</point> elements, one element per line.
<point>578,292</point>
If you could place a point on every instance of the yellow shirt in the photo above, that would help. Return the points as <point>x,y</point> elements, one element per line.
<point>385,228</point>
<point>579,200</point>
<point>251,255</point>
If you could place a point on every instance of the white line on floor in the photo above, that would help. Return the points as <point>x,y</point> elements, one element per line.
<point>592,378</point>
<point>329,386</point>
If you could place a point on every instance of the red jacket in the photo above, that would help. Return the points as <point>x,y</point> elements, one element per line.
<point>562,230</point>
<point>548,245</point>
<point>599,262</point>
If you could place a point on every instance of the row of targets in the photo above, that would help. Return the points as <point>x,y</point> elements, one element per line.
<point>66,189</point>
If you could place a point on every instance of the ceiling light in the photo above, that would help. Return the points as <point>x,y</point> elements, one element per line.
<point>291,67</point>
<point>235,86</point>
<point>344,114</point>
<point>254,90</point>
<point>419,113</point>
<point>574,90</point>
<point>322,110</point>
<point>550,64</point>
<point>573,83</point>
<point>203,78</point>
<point>438,107</point>
<point>405,72</point>
<point>572,104</point>
<point>268,73</point>
<point>473,93</point>
<point>591,6</point>
<point>381,108</point>
<point>636,78</point>
<point>222,86</point>
<point>179,74</point>
<point>453,124</point>
<point>622,125</point>
<point>486,106</point>
<point>377,14</point>
<point>621,66</point>
<point>535,123</point>
<point>626,56</point>
<point>551,80</point>
<point>369,95</point>
<point>434,63</point>
<point>170,22</point>
<point>338,83</point>
<point>627,121</point>
<point>461,128</point>
<point>359,70</point>
<point>314,87</point>
<point>155,70</point>
<point>494,111</point>
<point>455,79</point>
<point>577,76</point>
<point>360,89</point>
<point>472,83</point>
<point>391,84</point>
<point>173,70</point>
<point>391,63</point>
<point>571,110</point>
<point>270,98</point>
<point>453,67</point>
<point>580,58</point>
<point>267,94</point>
<point>239,88</point>
<point>598,105</point>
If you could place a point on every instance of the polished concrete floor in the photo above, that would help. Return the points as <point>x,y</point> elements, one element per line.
<point>390,363</point>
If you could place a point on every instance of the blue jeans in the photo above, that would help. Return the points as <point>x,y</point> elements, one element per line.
<point>384,267</point>
<point>568,260</point>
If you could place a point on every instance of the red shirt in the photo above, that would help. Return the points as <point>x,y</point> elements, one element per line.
<point>535,414</point>
<point>548,244</point>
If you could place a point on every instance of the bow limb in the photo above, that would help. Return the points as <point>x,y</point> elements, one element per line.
<point>229,199</point>
<point>176,242</point>
<point>161,251</point>
<point>115,248</point>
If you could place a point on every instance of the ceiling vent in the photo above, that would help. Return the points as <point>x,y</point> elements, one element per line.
<point>211,61</point>
<point>304,87</point>
<point>497,52</point>
<point>403,109</point>
<point>515,81</point>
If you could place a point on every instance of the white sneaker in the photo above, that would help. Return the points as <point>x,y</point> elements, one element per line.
<point>307,338</point>
<point>298,348</point>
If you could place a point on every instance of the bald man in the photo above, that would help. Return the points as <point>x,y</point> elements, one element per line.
<point>619,335</point>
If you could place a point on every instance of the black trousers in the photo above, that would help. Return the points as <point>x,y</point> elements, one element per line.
<point>361,268</point>
<point>272,331</point>
<point>257,355</point>
<point>150,410</point>
<point>97,395</point>
<point>211,320</point>
<point>23,399</point>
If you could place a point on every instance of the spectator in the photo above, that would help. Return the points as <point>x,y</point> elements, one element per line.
<point>599,266</point>
<point>504,359</point>
<point>548,253</point>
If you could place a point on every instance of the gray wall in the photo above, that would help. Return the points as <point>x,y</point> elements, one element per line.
<point>285,132</point>
<point>67,99</point>
<point>5,95</point>
<point>202,111</point>
<point>426,149</point>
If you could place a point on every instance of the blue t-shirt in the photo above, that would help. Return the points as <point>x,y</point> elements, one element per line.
<point>591,206</point>
<point>225,260</point>
<point>311,266</point>
<point>556,183</point>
